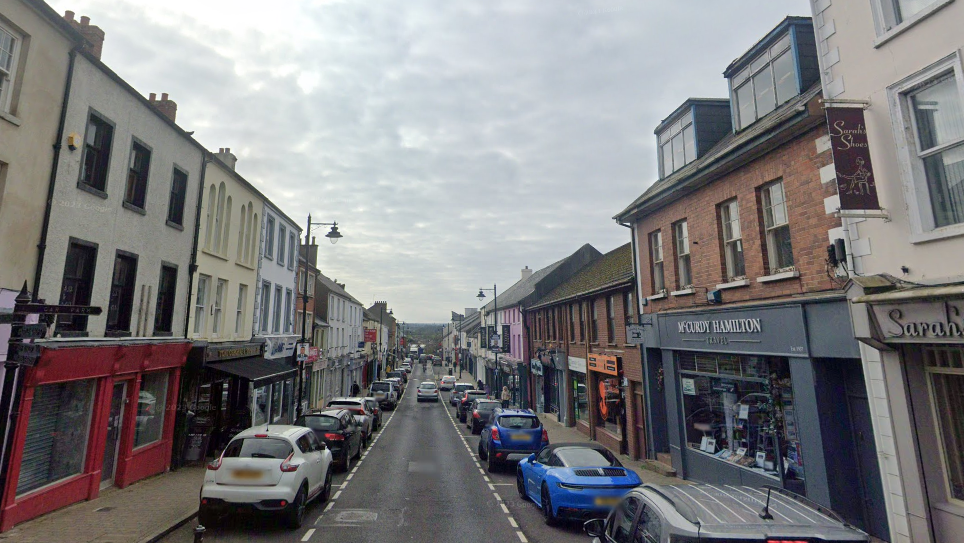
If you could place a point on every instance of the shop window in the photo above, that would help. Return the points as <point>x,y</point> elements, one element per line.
<point>151,405</point>
<point>78,283</point>
<point>777,226</point>
<point>740,409</point>
<point>261,396</point>
<point>277,393</point>
<point>945,371</point>
<point>121,302</point>
<point>166,290</point>
<point>56,443</point>
<point>610,404</point>
<point>581,394</point>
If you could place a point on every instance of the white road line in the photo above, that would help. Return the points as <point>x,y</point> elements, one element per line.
<point>308,534</point>
<point>486,477</point>
<point>522,537</point>
<point>337,494</point>
<point>491,487</point>
<point>497,497</point>
<point>513,522</point>
<point>350,475</point>
<point>329,506</point>
<point>482,471</point>
<point>504,508</point>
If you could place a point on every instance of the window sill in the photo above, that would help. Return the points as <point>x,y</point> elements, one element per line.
<point>683,292</point>
<point>163,334</point>
<point>734,284</point>
<point>660,296</point>
<point>215,255</point>
<point>134,208</point>
<point>247,266</point>
<point>938,233</point>
<point>174,225</point>
<point>71,333</point>
<point>782,276</point>
<point>10,118</point>
<point>909,23</point>
<point>95,191</point>
<point>117,333</point>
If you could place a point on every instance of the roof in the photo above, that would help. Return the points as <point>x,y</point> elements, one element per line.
<point>764,42</point>
<point>335,288</point>
<point>612,269</point>
<point>690,102</point>
<point>57,20</point>
<point>272,430</point>
<point>525,287</point>
<point>728,154</point>
<point>581,445</point>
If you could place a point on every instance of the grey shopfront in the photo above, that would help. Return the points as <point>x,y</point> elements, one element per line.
<point>768,394</point>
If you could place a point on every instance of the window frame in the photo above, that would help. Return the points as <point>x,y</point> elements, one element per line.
<point>667,139</point>
<point>8,88</point>
<point>929,373</point>
<point>176,200</point>
<point>200,306</point>
<point>78,323</point>
<point>288,324</point>
<point>168,307</point>
<point>292,248</point>
<point>282,239</point>
<point>886,33</point>
<point>143,180</point>
<point>727,244</point>
<point>239,311</point>
<point>773,266</point>
<point>107,148</point>
<point>656,259</point>
<point>269,237</point>
<point>217,308</point>
<point>746,77</point>
<point>684,265</point>
<point>276,317</point>
<point>594,322</point>
<point>264,325</point>
<point>611,319</point>
<point>128,312</point>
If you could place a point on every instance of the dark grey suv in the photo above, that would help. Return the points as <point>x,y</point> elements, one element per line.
<point>719,514</point>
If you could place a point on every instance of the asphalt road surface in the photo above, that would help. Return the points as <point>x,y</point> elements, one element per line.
<point>420,480</point>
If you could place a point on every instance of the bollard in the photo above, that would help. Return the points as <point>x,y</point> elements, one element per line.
<point>199,534</point>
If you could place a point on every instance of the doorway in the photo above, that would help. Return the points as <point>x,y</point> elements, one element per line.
<point>861,422</point>
<point>115,422</point>
<point>639,419</point>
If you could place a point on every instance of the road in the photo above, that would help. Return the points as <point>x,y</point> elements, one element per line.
<point>420,480</point>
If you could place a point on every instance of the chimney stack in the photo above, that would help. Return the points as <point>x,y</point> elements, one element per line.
<point>225,155</point>
<point>93,34</point>
<point>526,273</point>
<point>165,105</point>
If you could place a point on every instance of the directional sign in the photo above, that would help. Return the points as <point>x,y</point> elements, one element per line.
<point>29,331</point>
<point>634,334</point>
<point>7,318</point>
<point>24,353</point>
<point>58,309</point>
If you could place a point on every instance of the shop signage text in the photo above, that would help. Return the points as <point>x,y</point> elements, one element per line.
<point>226,353</point>
<point>851,157</point>
<point>728,326</point>
<point>924,321</point>
<point>774,330</point>
<point>371,335</point>
<point>603,363</point>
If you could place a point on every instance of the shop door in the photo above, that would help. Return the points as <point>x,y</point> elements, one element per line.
<point>639,420</point>
<point>874,509</point>
<point>114,425</point>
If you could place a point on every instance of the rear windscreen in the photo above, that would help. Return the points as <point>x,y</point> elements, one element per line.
<point>382,387</point>
<point>519,423</point>
<point>258,447</point>
<point>322,422</point>
<point>475,396</point>
<point>427,386</point>
<point>487,407</point>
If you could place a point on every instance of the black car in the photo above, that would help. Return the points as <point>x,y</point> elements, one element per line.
<point>481,414</point>
<point>338,430</point>
<point>466,402</point>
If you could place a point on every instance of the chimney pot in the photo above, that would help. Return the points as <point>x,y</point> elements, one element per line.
<point>153,96</point>
<point>69,15</point>
<point>84,20</point>
<point>227,149</point>
<point>163,96</point>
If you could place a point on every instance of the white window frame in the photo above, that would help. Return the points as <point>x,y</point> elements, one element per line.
<point>913,176</point>
<point>239,312</point>
<point>282,239</point>
<point>729,244</point>
<point>929,372</point>
<point>200,303</point>
<point>681,239</point>
<point>269,237</point>
<point>765,201</point>
<point>8,79</point>
<point>218,309</point>
<point>747,74</point>
<point>668,137</point>
<point>292,248</point>
<point>288,311</point>
<point>656,257</point>
<point>276,318</point>
<point>885,33</point>
<point>265,306</point>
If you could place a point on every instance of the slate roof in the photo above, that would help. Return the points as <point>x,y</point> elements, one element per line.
<point>334,287</point>
<point>525,287</point>
<point>613,268</point>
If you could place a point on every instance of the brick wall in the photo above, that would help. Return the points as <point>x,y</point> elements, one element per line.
<point>798,164</point>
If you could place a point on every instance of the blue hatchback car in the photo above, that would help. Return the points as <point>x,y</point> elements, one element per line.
<point>574,481</point>
<point>511,432</point>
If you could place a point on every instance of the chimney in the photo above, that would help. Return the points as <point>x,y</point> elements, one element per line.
<point>225,155</point>
<point>165,105</point>
<point>526,273</point>
<point>93,34</point>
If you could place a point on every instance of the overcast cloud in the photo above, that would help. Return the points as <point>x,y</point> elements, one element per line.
<point>455,142</point>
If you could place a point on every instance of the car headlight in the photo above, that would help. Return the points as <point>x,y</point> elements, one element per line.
<point>570,487</point>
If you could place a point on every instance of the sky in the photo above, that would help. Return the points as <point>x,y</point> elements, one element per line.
<point>455,142</point>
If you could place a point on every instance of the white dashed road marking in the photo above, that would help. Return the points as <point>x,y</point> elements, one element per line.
<point>308,534</point>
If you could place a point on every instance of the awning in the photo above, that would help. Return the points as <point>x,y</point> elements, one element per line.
<point>259,371</point>
<point>912,294</point>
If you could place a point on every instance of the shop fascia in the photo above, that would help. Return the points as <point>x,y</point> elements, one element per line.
<point>725,326</point>
<point>934,321</point>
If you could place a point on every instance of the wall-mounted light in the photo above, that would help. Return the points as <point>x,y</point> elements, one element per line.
<point>73,141</point>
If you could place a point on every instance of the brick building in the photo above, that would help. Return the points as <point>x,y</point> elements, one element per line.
<point>578,323</point>
<point>751,373</point>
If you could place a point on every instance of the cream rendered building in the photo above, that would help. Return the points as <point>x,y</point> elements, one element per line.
<point>901,61</point>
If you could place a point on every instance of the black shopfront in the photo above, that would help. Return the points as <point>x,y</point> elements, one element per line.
<point>768,394</point>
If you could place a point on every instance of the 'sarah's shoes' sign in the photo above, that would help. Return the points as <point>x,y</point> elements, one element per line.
<point>937,321</point>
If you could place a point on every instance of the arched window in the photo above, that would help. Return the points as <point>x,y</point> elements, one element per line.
<point>241,236</point>
<point>247,235</point>
<point>218,219</point>
<point>227,228</point>
<point>212,199</point>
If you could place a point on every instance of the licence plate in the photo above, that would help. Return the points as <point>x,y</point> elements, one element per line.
<point>246,474</point>
<point>519,437</point>
<point>608,501</point>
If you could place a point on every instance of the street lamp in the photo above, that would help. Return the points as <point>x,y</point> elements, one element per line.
<point>495,300</point>
<point>333,235</point>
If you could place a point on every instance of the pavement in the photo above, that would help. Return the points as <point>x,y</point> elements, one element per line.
<point>141,513</point>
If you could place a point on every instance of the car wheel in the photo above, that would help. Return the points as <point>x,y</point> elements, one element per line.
<point>206,517</point>
<point>550,517</point>
<point>295,514</point>
<point>493,465</point>
<point>326,491</point>
<point>520,485</point>
<point>482,454</point>
<point>358,452</point>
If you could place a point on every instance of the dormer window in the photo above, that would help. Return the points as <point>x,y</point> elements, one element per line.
<point>677,145</point>
<point>768,81</point>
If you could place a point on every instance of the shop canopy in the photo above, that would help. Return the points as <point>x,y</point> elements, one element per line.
<point>259,371</point>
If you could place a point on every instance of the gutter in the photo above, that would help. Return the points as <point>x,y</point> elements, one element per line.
<point>192,267</point>
<point>52,183</point>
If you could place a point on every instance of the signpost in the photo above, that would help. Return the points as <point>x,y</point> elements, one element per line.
<point>28,331</point>
<point>26,354</point>
<point>26,309</point>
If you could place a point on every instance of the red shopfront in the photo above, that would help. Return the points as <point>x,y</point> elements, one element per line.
<point>92,415</point>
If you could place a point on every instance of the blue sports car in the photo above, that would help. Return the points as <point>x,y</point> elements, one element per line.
<point>574,481</point>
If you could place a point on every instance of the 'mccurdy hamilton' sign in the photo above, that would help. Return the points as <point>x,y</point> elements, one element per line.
<point>769,330</point>
<point>931,322</point>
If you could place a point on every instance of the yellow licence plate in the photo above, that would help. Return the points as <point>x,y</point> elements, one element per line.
<point>247,474</point>
<point>519,437</point>
<point>609,501</point>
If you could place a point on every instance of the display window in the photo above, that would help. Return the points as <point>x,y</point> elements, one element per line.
<point>581,395</point>
<point>740,410</point>
<point>151,405</point>
<point>610,404</point>
<point>945,375</point>
<point>261,396</point>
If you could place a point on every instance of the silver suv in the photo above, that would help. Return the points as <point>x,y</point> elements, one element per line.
<point>718,514</point>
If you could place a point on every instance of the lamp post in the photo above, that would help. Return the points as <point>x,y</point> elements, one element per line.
<point>333,235</point>
<point>495,300</point>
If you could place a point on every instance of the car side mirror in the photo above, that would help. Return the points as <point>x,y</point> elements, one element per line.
<point>321,446</point>
<point>595,527</point>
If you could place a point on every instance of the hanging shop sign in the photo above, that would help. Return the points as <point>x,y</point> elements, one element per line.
<point>536,366</point>
<point>768,330</point>
<point>577,364</point>
<point>634,334</point>
<point>603,363</point>
<point>371,335</point>
<point>506,338</point>
<point>856,184</point>
<point>916,322</point>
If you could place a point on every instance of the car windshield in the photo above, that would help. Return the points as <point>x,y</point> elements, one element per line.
<point>585,457</point>
<point>318,422</point>
<point>519,422</point>
<point>381,387</point>
<point>258,447</point>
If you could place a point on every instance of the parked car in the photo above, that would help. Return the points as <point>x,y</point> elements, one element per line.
<point>385,394</point>
<point>466,402</point>
<point>720,514</point>
<point>457,390</point>
<point>362,417</point>
<point>371,404</point>
<point>447,382</point>
<point>407,367</point>
<point>428,391</point>
<point>481,414</point>
<point>574,480</point>
<point>512,432</point>
<point>399,374</point>
<point>399,385</point>
<point>338,429</point>
<point>277,469</point>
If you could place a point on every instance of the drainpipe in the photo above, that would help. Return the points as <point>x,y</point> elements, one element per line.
<point>52,183</point>
<point>192,267</point>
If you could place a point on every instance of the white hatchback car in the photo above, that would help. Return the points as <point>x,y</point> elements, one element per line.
<point>267,468</point>
<point>428,391</point>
